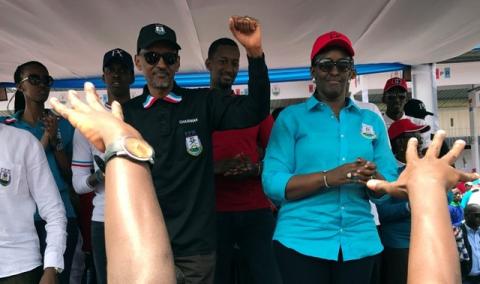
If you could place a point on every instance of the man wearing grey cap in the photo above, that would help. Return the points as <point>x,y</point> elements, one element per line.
<point>88,175</point>
<point>179,123</point>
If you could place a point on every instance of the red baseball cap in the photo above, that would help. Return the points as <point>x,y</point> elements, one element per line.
<point>461,186</point>
<point>405,125</point>
<point>395,82</point>
<point>329,39</point>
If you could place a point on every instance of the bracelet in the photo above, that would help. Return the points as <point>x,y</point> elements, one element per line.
<point>325,179</point>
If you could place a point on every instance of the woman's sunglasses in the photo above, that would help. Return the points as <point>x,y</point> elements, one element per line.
<point>326,65</point>
<point>36,80</point>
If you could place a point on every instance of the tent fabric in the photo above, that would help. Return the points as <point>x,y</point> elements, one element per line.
<point>70,37</point>
<point>202,79</point>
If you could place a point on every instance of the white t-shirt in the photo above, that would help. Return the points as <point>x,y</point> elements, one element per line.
<point>82,166</point>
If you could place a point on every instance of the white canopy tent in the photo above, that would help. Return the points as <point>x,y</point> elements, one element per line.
<point>70,37</point>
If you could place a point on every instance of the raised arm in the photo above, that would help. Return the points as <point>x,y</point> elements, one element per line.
<point>233,112</point>
<point>425,182</point>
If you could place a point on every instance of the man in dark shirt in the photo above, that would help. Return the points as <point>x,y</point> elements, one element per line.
<point>244,214</point>
<point>179,123</point>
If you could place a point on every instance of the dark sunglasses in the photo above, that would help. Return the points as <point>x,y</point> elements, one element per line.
<point>153,57</point>
<point>393,96</point>
<point>36,80</point>
<point>326,65</point>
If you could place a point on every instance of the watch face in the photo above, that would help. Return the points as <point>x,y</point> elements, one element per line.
<point>138,148</point>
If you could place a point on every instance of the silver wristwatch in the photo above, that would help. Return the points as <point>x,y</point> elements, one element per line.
<point>135,149</point>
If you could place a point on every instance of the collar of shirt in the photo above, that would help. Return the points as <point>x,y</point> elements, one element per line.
<point>313,102</point>
<point>10,120</point>
<point>16,118</point>
<point>171,98</point>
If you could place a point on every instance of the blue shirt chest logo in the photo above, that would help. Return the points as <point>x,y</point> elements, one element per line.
<point>368,132</point>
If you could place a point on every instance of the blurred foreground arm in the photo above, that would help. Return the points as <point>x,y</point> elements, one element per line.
<point>138,247</point>
<point>433,254</point>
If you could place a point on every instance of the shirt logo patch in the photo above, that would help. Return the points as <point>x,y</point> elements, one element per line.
<point>193,143</point>
<point>5,176</point>
<point>368,131</point>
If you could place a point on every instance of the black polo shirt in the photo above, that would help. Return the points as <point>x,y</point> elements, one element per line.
<point>179,127</point>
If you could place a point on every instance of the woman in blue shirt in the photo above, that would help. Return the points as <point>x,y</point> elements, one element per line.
<point>33,80</point>
<point>321,153</point>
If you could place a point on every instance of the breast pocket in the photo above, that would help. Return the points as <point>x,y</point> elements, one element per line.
<point>10,175</point>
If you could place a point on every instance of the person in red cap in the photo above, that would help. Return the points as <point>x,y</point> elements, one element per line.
<point>395,213</point>
<point>395,96</point>
<point>400,131</point>
<point>461,187</point>
<point>319,157</point>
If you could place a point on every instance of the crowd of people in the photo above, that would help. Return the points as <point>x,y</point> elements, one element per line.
<point>185,185</point>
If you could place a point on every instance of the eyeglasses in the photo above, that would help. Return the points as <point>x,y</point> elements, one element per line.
<point>36,80</point>
<point>326,65</point>
<point>392,96</point>
<point>153,57</point>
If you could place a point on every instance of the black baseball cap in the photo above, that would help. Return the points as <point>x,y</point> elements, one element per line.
<point>118,55</point>
<point>153,33</point>
<point>416,108</point>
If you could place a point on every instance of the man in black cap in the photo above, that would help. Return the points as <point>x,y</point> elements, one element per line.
<point>88,177</point>
<point>118,75</point>
<point>179,123</point>
<point>416,108</point>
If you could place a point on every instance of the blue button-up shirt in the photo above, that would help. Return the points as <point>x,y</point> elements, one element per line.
<point>474,240</point>
<point>395,220</point>
<point>308,138</point>
<point>66,131</point>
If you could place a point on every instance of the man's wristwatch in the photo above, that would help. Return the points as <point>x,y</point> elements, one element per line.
<point>134,149</point>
